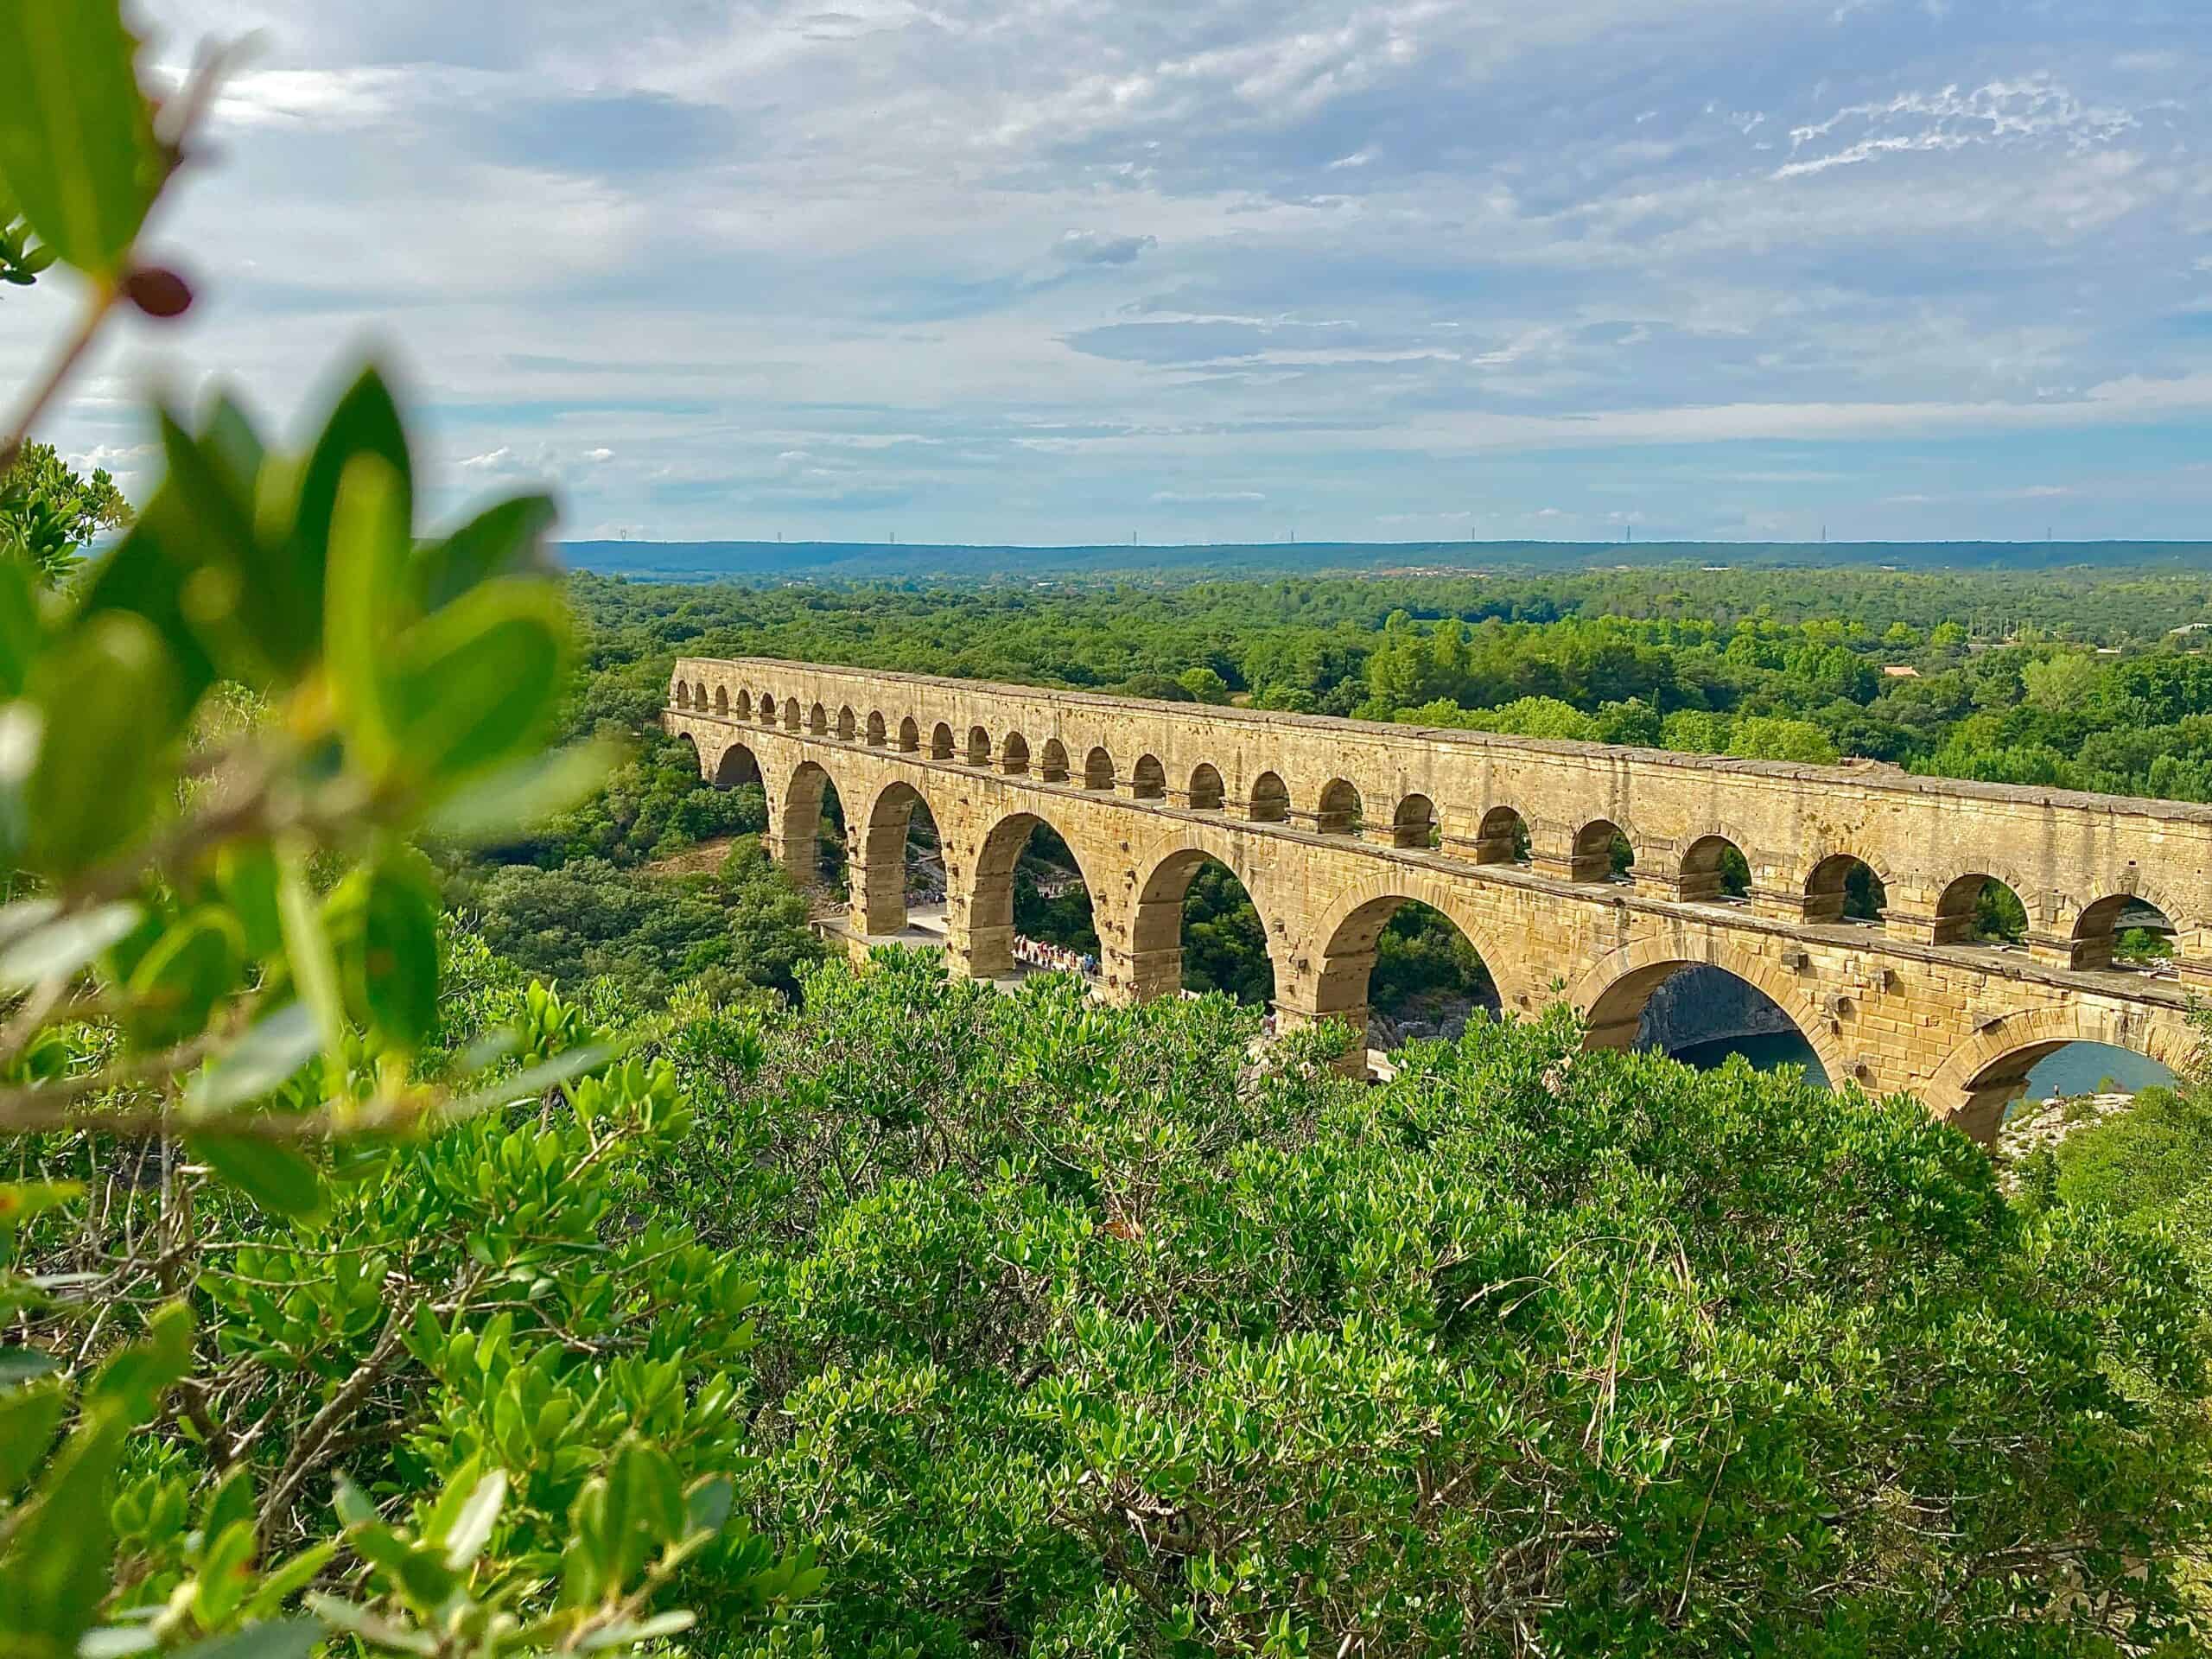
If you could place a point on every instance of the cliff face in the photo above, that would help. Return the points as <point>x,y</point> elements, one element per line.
<point>1701,1004</point>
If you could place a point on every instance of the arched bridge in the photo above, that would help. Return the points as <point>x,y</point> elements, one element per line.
<point>1762,868</point>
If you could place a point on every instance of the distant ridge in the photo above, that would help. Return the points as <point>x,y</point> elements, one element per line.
<point>904,562</point>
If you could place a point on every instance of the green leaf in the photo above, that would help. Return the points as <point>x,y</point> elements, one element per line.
<point>276,1177</point>
<point>28,1417</point>
<point>524,792</point>
<point>77,146</point>
<point>627,1633</point>
<point>502,540</point>
<point>472,1528</point>
<point>530,1083</point>
<point>230,1501</point>
<point>365,421</point>
<point>100,695</point>
<point>145,576</point>
<point>397,961</point>
<point>21,1200</point>
<point>378,1632</point>
<point>19,627</point>
<point>117,1642</point>
<point>272,1051</point>
<point>477,684</point>
<point>63,948</point>
<point>277,1638</point>
<point>56,1564</point>
<point>245,872</point>
<point>135,1378</point>
<point>368,551</point>
<point>180,979</point>
<point>20,1365</point>
<point>706,1505</point>
<point>226,1571</point>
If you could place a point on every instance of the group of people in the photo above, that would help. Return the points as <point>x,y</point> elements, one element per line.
<point>1055,959</point>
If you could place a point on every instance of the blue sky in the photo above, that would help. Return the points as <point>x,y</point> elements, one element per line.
<point>1219,270</point>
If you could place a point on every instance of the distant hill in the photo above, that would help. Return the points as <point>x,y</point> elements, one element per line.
<point>877,561</point>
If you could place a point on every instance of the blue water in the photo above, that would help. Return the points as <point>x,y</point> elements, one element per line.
<point>2077,1069</point>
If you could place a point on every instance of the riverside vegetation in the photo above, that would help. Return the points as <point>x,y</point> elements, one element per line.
<point>364,1293</point>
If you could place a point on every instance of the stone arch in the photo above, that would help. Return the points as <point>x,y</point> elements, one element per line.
<point>880,877</point>
<point>1708,873</point>
<point>743,706</point>
<point>1987,1071</point>
<point>2099,928</point>
<point>979,746</point>
<point>683,694</point>
<point>1957,905</point>
<point>1098,769</point>
<point>1013,754</point>
<point>1828,888</point>
<point>910,736</point>
<point>791,713</point>
<point>1270,800</point>
<point>721,701</point>
<point>1052,765</point>
<point>697,760</point>
<point>818,720</point>
<point>1337,954</point>
<point>1207,794</point>
<point>848,724</point>
<point>876,732</point>
<point>1595,856</point>
<point>1502,837</point>
<point>1338,811</point>
<point>941,742</point>
<point>767,707</point>
<point>1166,870</point>
<point>699,695</point>
<point>988,904</point>
<point>1414,824</point>
<point>1612,994</point>
<point>1148,778</point>
<point>736,765</point>
<point>796,818</point>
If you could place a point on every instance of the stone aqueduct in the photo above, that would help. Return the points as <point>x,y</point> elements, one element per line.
<point>1330,824</point>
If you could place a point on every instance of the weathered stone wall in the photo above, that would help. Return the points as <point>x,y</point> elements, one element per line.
<point>1331,824</point>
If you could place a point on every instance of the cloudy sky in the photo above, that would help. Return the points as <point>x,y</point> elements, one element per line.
<point>1067,270</point>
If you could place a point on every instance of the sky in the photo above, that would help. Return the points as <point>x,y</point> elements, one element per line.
<point>1070,271</point>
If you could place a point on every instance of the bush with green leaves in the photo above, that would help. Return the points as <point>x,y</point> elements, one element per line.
<point>1085,1332</point>
<point>329,1307</point>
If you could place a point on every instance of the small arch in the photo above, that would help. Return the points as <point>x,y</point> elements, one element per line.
<point>1844,887</point>
<point>1338,813</point>
<point>848,724</point>
<point>1098,769</point>
<point>683,694</point>
<point>979,746</point>
<point>743,707</point>
<point>699,693</point>
<point>1502,837</point>
<point>1053,766</point>
<point>2124,931</point>
<point>818,720</point>
<point>1149,782</point>
<point>1602,853</point>
<point>941,742</point>
<point>1270,799</point>
<point>722,700</point>
<point>791,713</point>
<point>910,736</point>
<point>1715,870</point>
<point>1414,824</point>
<point>1013,754</point>
<point>767,707</point>
<point>1980,910</point>
<point>876,732</point>
<point>1207,794</point>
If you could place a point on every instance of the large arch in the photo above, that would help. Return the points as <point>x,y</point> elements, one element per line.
<point>1166,872</point>
<point>1612,994</point>
<point>1987,1071</point>
<point>736,765</point>
<point>987,907</point>
<point>882,876</point>
<point>1338,953</point>
<point>797,816</point>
